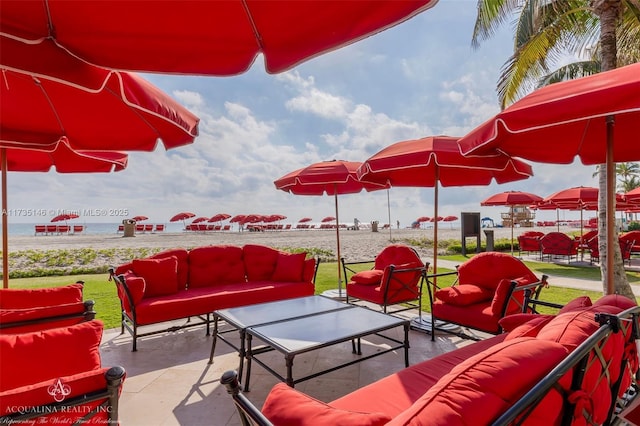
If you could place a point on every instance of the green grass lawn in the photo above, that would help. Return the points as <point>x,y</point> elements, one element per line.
<point>107,305</point>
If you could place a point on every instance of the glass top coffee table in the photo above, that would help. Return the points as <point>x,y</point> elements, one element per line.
<point>304,324</point>
<point>242,317</point>
<point>314,332</point>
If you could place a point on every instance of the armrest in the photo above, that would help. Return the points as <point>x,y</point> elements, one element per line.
<point>347,267</point>
<point>513,292</point>
<point>97,390</point>
<point>248,412</point>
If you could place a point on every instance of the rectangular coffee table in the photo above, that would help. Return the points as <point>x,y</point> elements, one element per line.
<point>298,335</point>
<point>242,317</point>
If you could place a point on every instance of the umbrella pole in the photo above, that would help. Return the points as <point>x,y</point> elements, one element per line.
<point>611,223</point>
<point>558,219</point>
<point>389,213</point>
<point>435,227</point>
<point>512,225</point>
<point>338,245</point>
<point>5,227</point>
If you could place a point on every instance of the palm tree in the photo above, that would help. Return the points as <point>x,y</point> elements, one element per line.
<point>546,31</point>
<point>628,176</point>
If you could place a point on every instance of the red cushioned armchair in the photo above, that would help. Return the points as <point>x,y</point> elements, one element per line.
<point>530,242</point>
<point>489,286</point>
<point>55,376</point>
<point>559,244</point>
<point>396,278</point>
<point>24,310</point>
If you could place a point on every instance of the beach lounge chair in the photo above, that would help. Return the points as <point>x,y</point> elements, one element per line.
<point>78,229</point>
<point>159,227</point>
<point>41,230</point>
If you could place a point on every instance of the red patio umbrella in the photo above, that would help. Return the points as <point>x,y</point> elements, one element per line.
<point>64,217</point>
<point>182,216</point>
<point>219,217</point>
<point>200,219</point>
<point>423,219</point>
<point>140,218</point>
<point>328,219</point>
<point>64,160</point>
<point>594,117</point>
<point>633,196</point>
<point>436,160</point>
<point>511,199</point>
<point>450,218</point>
<point>237,218</point>
<point>126,113</point>
<point>188,37</point>
<point>305,219</point>
<point>577,198</point>
<point>331,178</point>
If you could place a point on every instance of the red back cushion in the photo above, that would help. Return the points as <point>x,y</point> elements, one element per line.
<point>136,285</point>
<point>214,265</point>
<point>160,275</point>
<point>576,304</point>
<point>489,268</point>
<point>289,267</point>
<point>464,294</point>
<point>287,406</point>
<point>12,298</point>
<point>49,354</point>
<point>524,325</point>
<point>183,263</point>
<point>397,254</point>
<point>259,262</point>
<point>516,299</point>
<point>485,385</point>
<point>370,277</point>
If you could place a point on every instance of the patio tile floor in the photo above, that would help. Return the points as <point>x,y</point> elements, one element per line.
<point>169,380</point>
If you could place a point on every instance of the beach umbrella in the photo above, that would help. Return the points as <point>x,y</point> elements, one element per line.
<point>330,178</point>
<point>219,217</point>
<point>512,199</point>
<point>140,218</point>
<point>436,160</point>
<point>305,219</point>
<point>200,219</point>
<point>237,218</point>
<point>450,219</point>
<point>64,217</point>
<point>328,219</point>
<point>594,117</point>
<point>182,216</point>
<point>62,159</point>
<point>576,198</point>
<point>187,37</point>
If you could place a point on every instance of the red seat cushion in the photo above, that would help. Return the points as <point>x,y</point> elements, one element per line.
<point>464,294</point>
<point>215,265</point>
<point>287,406</point>
<point>160,275</point>
<point>183,263</point>
<point>372,276</point>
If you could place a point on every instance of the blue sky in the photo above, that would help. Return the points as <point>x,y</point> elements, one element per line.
<point>417,79</point>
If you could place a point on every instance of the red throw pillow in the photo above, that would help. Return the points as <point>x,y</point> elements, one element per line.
<point>289,267</point>
<point>501,294</point>
<point>287,406</point>
<point>575,304</point>
<point>49,354</point>
<point>372,276</point>
<point>464,294</point>
<point>530,328</point>
<point>160,275</point>
<point>137,286</point>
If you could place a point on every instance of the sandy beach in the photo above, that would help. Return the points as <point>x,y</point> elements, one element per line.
<point>355,245</point>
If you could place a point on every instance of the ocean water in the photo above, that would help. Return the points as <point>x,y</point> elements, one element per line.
<point>89,228</point>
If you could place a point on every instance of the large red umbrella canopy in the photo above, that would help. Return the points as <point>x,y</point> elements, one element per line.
<point>219,217</point>
<point>592,117</point>
<point>64,217</point>
<point>126,113</point>
<point>434,161</point>
<point>633,196</point>
<point>577,198</point>
<point>188,37</point>
<point>182,216</point>
<point>511,199</point>
<point>237,218</point>
<point>330,178</point>
<point>64,160</point>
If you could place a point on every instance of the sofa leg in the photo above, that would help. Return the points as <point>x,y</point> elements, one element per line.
<point>114,377</point>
